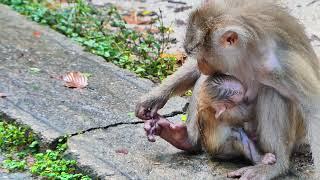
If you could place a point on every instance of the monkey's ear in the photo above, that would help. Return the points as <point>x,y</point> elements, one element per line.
<point>220,108</point>
<point>229,39</point>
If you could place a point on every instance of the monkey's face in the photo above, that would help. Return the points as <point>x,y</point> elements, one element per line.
<point>194,35</point>
<point>224,49</point>
<point>218,41</point>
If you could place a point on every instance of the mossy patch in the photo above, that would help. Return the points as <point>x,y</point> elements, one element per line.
<point>20,147</point>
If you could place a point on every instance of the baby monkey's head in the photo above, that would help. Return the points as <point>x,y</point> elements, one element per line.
<point>221,92</point>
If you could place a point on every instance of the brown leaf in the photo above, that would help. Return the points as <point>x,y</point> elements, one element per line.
<point>122,151</point>
<point>134,19</point>
<point>146,29</point>
<point>180,57</point>
<point>75,79</point>
<point>139,29</point>
<point>153,30</point>
<point>37,34</point>
<point>2,95</point>
<point>63,1</point>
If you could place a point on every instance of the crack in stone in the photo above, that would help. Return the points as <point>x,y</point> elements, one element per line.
<point>172,114</point>
<point>105,127</point>
<point>312,2</point>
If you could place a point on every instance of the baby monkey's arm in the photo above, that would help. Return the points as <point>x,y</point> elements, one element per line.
<point>248,148</point>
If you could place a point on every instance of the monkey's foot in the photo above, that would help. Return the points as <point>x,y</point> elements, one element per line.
<point>175,134</point>
<point>268,159</point>
<point>257,172</point>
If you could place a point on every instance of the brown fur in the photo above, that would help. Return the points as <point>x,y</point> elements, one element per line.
<point>276,64</point>
<point>213,132</point>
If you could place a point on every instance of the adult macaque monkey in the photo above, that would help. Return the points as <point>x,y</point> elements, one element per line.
<point>223,119</point>
<point>264,47</point>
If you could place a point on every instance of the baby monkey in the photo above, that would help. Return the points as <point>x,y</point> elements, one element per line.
<point>222,112</point>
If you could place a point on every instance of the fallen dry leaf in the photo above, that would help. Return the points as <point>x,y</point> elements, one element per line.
<point>63,1</point>
<point>2,95</point>
<point>122,151</point>
<point>75,79</point>
<point>181,57</point>
<point>37,34</point>
<point>57,4</point>
<point>139,29</point>
<point>153,30</point>
<point>134,19</point>
<point>146,29</point>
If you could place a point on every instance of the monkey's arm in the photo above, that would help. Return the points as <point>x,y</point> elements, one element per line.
<point>299,81</point>
<point>181,81</point>
<point>246,145</point>
<point>248,148</point>
<point>274,127</point>
<point>293,75</point>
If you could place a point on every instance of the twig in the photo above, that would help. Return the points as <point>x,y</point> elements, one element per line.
<point>312,2</point>
<point>176,2</point>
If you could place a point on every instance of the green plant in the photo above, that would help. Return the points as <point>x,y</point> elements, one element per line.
<point>16,138</point>
<point>51,164</point>
<point>21,149</point>
<point>15,165</point>
<point>104,34</point>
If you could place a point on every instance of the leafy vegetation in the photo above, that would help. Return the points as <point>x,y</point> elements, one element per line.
<point>21,149</point>
<point>104,33</point>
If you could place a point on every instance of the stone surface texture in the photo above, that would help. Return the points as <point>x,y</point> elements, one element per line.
<point>40,101</point>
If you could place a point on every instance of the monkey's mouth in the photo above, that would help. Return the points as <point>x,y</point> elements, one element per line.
<point>207,69</point>
<point>204,67</point>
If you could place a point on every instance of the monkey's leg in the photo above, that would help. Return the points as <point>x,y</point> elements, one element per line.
<point>245,145</point>
<point>175,134</point>
<point>192,124</point>
<point>273,130</point>
<point>313,126</point>
<point>315,143</point>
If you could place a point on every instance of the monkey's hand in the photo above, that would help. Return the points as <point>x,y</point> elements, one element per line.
<point>149,105</point>
<point>152,129</point>
<point>268,159</point>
